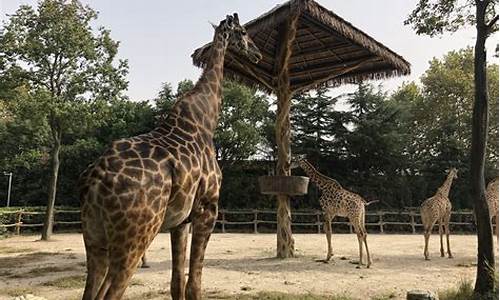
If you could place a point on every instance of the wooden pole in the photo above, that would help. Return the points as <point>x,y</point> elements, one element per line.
<point>287,32</point>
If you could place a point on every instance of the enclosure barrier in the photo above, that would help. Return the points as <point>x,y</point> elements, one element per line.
<point>252,220</point>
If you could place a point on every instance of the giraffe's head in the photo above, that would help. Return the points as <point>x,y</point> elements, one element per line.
<point>298,161</point>
<point>238,39</point>
<point>453,172</point>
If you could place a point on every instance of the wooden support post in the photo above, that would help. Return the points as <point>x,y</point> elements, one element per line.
<point>412,216</point>
<point>287,32</point>
<point>381,222</point>
<point>223,222</point>
<point>255,221</point>
<point>318,221</point>
<point>19,217</point>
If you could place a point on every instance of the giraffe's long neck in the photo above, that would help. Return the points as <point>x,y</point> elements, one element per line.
<point>319,179</point>
<point>202,105</point>
<point>444,189</point>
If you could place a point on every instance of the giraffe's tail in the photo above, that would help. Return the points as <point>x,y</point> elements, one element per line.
<point>371,202</point>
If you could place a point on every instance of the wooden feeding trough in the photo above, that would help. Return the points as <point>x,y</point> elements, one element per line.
<point>283,185</point>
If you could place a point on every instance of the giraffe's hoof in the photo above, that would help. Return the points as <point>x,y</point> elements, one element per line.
<point>442,254</point>
<point>450,256</point>
<point>427,258</point>
<point>358,267</point>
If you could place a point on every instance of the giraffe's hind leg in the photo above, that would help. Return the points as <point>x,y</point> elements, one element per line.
<point>365,235</point>
<point>178,241</point>
<point>427,233</point>
<point>97,266</point>
<point>441,225</point>
<point>327,225</point>
<point>144,261</point>
<point>96,248</point>
<point>447,231</point>
<point>359,233</point>
<point>496,226</point>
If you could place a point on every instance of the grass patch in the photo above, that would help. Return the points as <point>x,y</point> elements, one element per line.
<point>23,259</point>
<point>273,296</point>
<point>148,295</point>
<point>10,250</point>
<point>5,273</point>
<point>67,282</point>
<point>17,291</point>
<point>465,291</point>
<point>467,265</point>
<point>42,271</point>
<point>136,281</point>
<point>385,297</point>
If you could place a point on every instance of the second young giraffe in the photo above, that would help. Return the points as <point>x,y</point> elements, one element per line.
<point>438,209</point>
<point>337,201</point>
<point>492,200</point>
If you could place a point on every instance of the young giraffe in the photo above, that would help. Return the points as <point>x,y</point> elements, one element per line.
<point>169,175</point>
<point>438,209</point>
<point>492,199</point>
<point>337,201</point>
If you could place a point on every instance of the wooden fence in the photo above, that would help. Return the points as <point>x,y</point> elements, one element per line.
<point>265,221</point>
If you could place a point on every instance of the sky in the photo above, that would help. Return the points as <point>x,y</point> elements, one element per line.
<point>157,37</point>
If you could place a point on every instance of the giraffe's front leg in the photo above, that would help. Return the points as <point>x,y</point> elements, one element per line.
<point>203,224</point>
<point>178,241</point>
<point>328,231</point>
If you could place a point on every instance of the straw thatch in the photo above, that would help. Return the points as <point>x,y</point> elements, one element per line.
<point>327,51</point>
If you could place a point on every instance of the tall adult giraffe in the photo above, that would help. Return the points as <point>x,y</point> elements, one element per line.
<point>438,209</point>
<point>168,175</point>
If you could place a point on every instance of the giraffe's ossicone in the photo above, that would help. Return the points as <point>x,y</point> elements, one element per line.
<point>169,175</point>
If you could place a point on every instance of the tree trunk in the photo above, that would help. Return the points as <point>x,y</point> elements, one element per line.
<point>54,164</point>
<point>485,282</point>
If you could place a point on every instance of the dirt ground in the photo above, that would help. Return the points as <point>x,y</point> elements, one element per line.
<point>244,263</point>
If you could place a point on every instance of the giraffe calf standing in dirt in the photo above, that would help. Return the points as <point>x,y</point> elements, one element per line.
<point>337,201</point>
<point>492,200</point>
<point>438,209</point>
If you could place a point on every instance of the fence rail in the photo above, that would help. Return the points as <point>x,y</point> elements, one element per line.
<point>252,220</point>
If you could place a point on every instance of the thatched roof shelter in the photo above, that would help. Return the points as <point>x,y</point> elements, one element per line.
<point>327,50</point>
<point>304,45</point>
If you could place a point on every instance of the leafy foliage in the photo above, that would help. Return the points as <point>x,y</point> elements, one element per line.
<point>434,17</point>
<point>240,123</point>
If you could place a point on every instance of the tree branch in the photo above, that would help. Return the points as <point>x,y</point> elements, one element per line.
<point>492,23</point>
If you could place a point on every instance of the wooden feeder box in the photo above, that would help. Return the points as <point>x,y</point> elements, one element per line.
<point>283,185</point>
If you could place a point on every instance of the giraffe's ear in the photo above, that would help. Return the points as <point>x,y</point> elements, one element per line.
<point>229,20</point>
<point>236,19</point>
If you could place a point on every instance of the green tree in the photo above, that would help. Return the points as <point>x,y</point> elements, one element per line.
<point>374,146</point>
<point>241,121</point>
<point>184,86</point>
<point>70,66</point>
<point>166,96</point>
<point>164,100</point>
<point>373,143</point>
<point>433,17</point>
<point>317,127</point>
